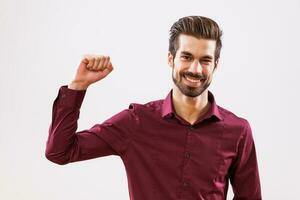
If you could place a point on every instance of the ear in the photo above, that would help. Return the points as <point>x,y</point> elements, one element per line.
<point>170,59</point>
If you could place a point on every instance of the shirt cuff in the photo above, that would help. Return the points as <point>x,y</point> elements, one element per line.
<point>69,97</point>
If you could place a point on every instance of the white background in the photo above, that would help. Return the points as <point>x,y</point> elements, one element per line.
<point>41,44</point>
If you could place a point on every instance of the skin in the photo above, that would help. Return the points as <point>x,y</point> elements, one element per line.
<point>91,69</point>
<point>194,59</point>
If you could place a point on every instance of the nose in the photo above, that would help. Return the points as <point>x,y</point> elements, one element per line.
<point>196,67</point>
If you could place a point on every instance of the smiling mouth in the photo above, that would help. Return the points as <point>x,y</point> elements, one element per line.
<point>192,79</point>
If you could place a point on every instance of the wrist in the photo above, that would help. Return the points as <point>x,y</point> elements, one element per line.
<point>75,85</point>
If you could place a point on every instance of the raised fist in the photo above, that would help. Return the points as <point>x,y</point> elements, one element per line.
<point>92,68</point>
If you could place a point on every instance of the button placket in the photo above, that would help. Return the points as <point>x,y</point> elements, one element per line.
<point>187,154</point>
<point>191,129</point>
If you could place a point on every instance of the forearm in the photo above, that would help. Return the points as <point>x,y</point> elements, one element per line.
<point>62,131</point>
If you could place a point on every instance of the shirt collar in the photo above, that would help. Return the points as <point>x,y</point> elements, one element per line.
<point>168,110</point>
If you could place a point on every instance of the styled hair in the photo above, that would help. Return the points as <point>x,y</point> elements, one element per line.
<point>199,27</point>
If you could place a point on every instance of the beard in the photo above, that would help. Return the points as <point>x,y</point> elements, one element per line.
<point>188,90</point>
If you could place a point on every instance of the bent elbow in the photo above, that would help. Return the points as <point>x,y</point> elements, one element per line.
<point>60,160</point>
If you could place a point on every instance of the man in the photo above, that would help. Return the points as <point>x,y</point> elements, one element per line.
<point>182,147</point>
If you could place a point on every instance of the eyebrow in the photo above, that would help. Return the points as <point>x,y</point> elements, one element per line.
<point>189,54</point>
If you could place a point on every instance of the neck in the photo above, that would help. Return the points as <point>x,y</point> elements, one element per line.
<point>190,108</point>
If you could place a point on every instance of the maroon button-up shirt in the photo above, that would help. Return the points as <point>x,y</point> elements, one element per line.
<point>165,157</point>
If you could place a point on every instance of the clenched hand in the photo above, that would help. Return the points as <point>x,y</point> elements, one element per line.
<point>92,68</point>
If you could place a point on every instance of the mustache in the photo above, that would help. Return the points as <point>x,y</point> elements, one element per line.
<point>198,76</point>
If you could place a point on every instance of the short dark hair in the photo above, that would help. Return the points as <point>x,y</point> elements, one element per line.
<point>199,27</point>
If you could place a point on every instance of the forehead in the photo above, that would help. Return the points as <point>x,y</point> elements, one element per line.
<point>197,47</point>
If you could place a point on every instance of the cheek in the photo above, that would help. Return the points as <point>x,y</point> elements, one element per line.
<point>210,76</point>
<point>177,69</point>
<point>208,71</point>
<point>176,74</point>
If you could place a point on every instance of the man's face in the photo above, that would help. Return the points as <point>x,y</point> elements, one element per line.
<point>193,65</point>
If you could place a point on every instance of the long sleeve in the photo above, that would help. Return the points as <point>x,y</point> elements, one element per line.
<point>65,145</point>
<point>244,176</point>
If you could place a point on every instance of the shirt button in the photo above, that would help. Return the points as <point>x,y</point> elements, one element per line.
<point>191,127</point>
<point>187,155</point>
<point>185,184</point>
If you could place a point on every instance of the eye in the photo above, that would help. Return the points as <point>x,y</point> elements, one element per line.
<point>206,62</point>
<point>186,57</point>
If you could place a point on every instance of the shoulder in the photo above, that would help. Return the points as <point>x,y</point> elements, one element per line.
<point>135,113</point>
<point>148,107</point>
<point>235,123</point>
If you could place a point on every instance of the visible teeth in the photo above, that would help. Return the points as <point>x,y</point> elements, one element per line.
<point>192,80</point>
